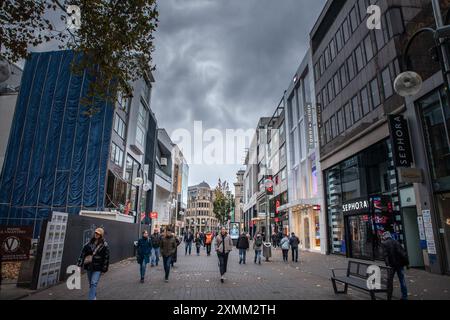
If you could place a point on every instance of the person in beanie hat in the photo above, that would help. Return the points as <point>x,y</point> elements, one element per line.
<point>168,247</point>
<point>144,250</point>
<point>94,258</point>
<point>396,258</point>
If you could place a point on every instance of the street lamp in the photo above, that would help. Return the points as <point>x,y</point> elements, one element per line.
<point>409,83</point>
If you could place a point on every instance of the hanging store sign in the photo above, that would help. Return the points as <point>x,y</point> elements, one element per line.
<point>401,145</point>
<point>409,175</point>
<point>355,206</point>
<point>309,126</point>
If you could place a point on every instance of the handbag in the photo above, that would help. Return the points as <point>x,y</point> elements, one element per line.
<point>88,259</point>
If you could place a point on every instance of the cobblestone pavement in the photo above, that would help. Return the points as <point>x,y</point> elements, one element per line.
<point>197,278</point>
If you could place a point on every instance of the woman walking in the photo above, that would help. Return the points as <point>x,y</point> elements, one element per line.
<point>144,250</point>
<point>224,245</point>
<point>198,242</point>
<point>257,246</point>
<point>285,247</point>
<point>95,260</point>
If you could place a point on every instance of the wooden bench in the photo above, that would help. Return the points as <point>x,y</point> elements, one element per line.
<point>356,276</point>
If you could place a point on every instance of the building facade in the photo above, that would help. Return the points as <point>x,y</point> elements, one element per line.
<point>239,199</point>
<point>180,189</point>
<point>306,216</point>
<point>200,211</point>
<point>365,186</point>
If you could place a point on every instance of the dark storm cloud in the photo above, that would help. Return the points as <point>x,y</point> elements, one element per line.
<point>227,63</point>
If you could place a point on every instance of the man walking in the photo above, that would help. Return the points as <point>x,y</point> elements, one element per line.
<point>168,247</point>
<point>156,248</point>
<point>188,239</point>
<point>243,245</point>
<point>396,258</point>
<point>224,245</point>
<point>294,242</point>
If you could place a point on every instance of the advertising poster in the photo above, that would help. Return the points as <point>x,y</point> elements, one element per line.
<point>234,230</point>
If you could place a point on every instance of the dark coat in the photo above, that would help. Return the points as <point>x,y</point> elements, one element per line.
<point>394,254</point>
<point>156,240</point>
<point>175,255</point>
<point>243,243</point>
<point>100,261</point>
<point>144,249</point>
<point>188,237</point>
<point>168,246</point>
<point>294,242</point>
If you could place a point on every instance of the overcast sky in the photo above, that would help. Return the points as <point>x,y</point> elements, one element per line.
<point>226,63</point>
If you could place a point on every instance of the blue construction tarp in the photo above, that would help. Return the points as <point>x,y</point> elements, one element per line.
<point>57,155</point>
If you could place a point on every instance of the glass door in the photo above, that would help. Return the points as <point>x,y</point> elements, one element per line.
<point>443,201</point>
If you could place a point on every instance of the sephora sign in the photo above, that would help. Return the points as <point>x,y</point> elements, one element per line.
<point>356,206</point>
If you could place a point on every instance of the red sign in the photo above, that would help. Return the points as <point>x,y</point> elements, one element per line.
<point>316,207</point>
<point>277,205</point>
<point>15,243</point>
<point>154,215</point>
<point>277,219</point>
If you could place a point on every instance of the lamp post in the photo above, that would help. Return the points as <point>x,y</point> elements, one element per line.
<point>404,85</point>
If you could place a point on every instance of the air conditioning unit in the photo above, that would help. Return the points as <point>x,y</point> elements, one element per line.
<point>164,162</point>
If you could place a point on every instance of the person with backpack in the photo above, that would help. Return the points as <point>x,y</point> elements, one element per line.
<point>274,239</point>
<point>94,258</point>
<point>294,241</point>
<point>208,242</point>
<point>144,250</point>
<point>198,242</point>
<point>156,248</point>
<point>395,257</point>
<point>243,245</point>
<point>258,246</point>
<point>285,247</point>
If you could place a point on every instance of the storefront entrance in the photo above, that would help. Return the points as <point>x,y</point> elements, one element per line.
<point>360,235</point>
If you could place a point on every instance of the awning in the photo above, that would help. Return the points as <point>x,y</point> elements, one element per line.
<point>300,203</point>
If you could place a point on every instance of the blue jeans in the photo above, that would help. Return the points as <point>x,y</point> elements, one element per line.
<point>242,255</point>
<point>258,256</point>
<point>167,261</point>
<point>294,254</point>
<point>93,277</point>
<point>188,246</point>
<point>156,252</point>
<point>142,268</point>
<point>401,277</point>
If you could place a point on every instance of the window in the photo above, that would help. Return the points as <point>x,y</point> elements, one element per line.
<point>327,132</point>
<point>368,48</point>
<point>119,126</point>
<point>362,9</point>
<point>379,37</point>
<point>345,30</point>
<point>353,19</point>
<point>322,64</point>
<point>330,91</point>
<point>339,40</point>
<point>337,87</point>
<point>356,110</point>
<point>122,101</point>
<point>394,22</point>
<point>365,101</point>
<point>319,101</point>
<point>142,115</point>
<point>146,90</point>
<point>317,70</point>
<point>351,68</point>
<point>116,154</point>
<point>348,115</point>
<point>359,58</point>
<point>332,49</point>
<point>325,97</point>
<point>343,75</point>
<point>387,82</point>
<point>340,121</point>
<point>327,57</point>
<point>283,174</point>
<point>334,126</point>
<point>375,93</point>
<point>140,136</point>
